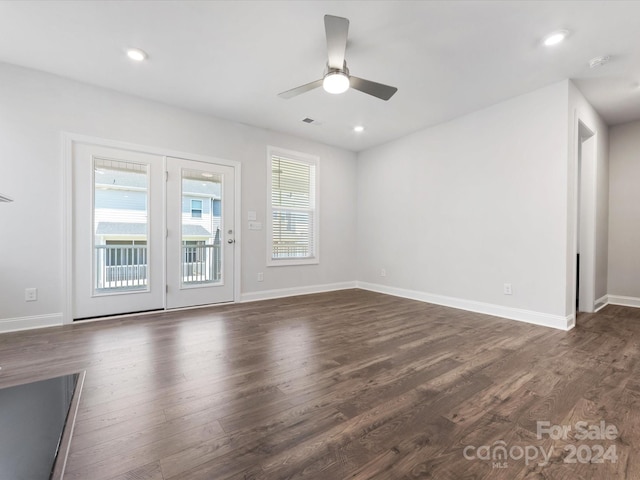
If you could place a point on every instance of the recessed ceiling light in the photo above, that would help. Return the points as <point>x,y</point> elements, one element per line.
<point>556,37</point>
<point>137,54</point>
<point>358,128</point>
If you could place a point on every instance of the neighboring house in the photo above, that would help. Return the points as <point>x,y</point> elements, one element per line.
<point>120,226</point>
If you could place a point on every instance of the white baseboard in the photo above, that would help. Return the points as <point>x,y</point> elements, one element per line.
<point>601,303</point>
<point>624,301</point>
<point>293,291</point>
<point>27,323</point>
<point>528,316</point>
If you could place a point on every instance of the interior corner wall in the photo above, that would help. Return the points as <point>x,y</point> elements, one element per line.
<point>624,214</point>
<point>35,108</point>
<point>581,110</point>
<point>457,210</point>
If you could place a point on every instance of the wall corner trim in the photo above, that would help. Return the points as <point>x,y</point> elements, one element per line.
<point>521,315</point>
<point>600,303</point>
<point>28,323</point>
<point>293,291</point>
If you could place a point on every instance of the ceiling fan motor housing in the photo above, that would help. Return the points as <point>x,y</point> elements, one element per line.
<point>344,70</point>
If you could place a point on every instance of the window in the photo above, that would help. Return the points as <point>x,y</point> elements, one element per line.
<point>293,216</point>
<point>196,208</point>
<point>216,207</point>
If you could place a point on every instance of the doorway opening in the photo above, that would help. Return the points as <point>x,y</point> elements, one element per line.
<point>586,220</point>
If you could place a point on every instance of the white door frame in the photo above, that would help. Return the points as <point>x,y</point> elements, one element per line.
<point>68,140</point>
<point>589,233</point>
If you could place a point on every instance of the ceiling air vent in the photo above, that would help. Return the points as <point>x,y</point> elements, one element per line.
<point>599,61</point>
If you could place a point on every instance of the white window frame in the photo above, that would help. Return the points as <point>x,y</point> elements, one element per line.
<point>302,158</point>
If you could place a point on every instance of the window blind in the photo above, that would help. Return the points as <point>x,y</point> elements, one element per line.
<point>293,196</point>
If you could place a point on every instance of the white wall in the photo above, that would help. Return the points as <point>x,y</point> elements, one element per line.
<point>597,196</point>
<point>624,214</point>
<point>36,107</point>
<point>455,211</point>
<point>451,212</point>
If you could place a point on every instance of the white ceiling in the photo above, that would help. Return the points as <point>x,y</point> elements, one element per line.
<point>230,59</point>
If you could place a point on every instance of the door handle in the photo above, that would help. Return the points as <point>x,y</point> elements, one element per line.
<point>231,240</point>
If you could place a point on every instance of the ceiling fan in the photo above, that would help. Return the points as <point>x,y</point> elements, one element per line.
<point>337,79</point>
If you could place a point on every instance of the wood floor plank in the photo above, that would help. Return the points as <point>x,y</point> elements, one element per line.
<point>349,384</point>
<point>152,471</point>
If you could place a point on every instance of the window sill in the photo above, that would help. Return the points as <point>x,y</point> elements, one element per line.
<point>291,262</point>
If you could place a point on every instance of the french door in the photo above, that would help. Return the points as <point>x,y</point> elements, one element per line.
<point>149,232</point>
<point>200,233</point>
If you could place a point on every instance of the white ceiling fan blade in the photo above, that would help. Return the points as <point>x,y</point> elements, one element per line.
<point>383,92</point>
<point>337,29</point>
<point>301,89</point>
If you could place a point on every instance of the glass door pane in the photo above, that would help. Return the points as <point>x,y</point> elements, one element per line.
<point>121,221</point>
<point>201,224</point>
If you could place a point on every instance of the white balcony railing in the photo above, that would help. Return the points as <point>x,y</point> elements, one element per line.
<point>121,267</point>
<point>201,264</point>
<point>124,267</point>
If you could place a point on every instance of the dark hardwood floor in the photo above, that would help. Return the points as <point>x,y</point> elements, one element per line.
<point>350,384</point>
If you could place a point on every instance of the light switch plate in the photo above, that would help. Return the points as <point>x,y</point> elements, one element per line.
<point>251,215</point>
<point>255,225</point>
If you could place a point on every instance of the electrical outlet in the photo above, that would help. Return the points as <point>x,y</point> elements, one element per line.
<point>507,289</point>
<point>383,273</point>
<point>30,294</point>
<point>260,276</point>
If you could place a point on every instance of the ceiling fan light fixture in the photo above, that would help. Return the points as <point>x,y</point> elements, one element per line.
<point>335,82</point>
